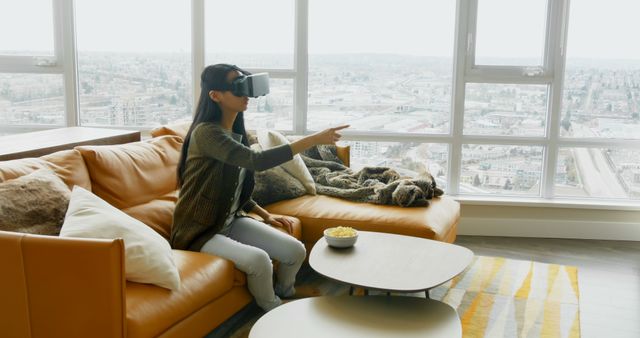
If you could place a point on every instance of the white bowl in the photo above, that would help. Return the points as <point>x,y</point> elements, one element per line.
<point>340,242</point>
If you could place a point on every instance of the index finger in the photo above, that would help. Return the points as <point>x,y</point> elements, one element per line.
<point>341,127</point>
<point>289,224</point>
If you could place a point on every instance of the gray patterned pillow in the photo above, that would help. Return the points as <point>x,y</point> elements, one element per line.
<point>35,203</point>
<point>275,184</point>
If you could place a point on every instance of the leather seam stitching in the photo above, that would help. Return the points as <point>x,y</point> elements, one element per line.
<point>26,285</point>
<point>122,281</point>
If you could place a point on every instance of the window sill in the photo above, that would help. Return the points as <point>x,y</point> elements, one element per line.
<point>567,203</point>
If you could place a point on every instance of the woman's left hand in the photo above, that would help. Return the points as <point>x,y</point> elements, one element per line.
<point>280,221</point>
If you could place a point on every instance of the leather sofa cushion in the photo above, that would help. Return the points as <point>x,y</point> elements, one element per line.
<point>67,164</point>
<point>239,278</point>
<point>131,174</point>
<point>320,212</point>
<point>177,129</point>
<point>152,310</point>
<point>157,213</point>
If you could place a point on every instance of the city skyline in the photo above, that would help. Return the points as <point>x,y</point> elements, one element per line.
<point>374,93</point>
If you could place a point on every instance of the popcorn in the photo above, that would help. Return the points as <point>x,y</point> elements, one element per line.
<point>342,232</point>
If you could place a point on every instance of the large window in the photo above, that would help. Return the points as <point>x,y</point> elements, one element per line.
<point>27,28</point>
<point>388,71</point>
<point>601,102</point>
<point>258,42</point>
<point>32,92</point>
<point>528,99</point>
<point>601,97</point>
<point>250,33</point>
<point>511,32</point>
<point>134,62</point>
<point>507,92</point>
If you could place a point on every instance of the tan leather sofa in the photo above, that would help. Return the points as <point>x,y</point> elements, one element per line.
<point>65,287</point>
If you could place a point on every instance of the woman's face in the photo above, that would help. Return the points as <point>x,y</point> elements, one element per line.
<point>228,101</point>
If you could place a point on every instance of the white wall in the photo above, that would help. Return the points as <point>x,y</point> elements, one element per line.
<point>549,222</point>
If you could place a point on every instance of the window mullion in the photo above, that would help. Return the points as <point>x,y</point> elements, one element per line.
<point>301,66</point>
<point>469,48</point>
<point>197,47</point>
<point>556,39</point>
<point>66,56</point>
<point>464,24</point>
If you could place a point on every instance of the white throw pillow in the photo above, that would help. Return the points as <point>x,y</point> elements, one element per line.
<point>148,256</point>
<point>269,139</point>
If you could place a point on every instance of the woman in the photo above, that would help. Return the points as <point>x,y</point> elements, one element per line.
<point>215,174</point>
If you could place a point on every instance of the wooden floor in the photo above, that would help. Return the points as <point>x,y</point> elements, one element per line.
<point>608,277</point>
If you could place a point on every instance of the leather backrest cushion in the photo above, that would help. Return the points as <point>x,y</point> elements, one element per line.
<point>157,213</point>
<point>15,168</point>
<point>67,164</point>
<point>130,174</point>
<point>70,167</point>
<point>178,129</point>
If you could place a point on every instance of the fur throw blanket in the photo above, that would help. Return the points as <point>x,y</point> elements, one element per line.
<point>379,185</point>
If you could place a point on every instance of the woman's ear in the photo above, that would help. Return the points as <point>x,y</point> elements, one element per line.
<point>214,95</point>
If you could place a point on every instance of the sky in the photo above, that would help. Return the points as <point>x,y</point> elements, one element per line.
<point>525,36</point>
<point>598,28</point>
<point>22,28</point>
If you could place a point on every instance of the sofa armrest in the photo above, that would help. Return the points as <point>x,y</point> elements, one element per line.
<point>344,153</point>
<point>61,287</point>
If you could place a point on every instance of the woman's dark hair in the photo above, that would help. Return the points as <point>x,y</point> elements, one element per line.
<point>213,77</point>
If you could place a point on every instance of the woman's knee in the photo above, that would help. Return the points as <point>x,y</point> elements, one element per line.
<point>257,263</point>
<point>296,252</point>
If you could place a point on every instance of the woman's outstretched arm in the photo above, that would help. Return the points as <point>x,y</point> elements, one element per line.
<point>327,136</point>
<point>212,140</point>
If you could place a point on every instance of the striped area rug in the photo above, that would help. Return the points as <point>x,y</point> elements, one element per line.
<point>495,297</point>
<point>499,297</point>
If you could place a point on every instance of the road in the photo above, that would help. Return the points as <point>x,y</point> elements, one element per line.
<point>596,175</point>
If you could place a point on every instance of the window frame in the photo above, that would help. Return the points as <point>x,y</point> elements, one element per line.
<point>464,71</point>
<point>551,74</point>
<point>296,73</point>
<point>469,72</point>
<point>62,62</point>
<point>514,74</point>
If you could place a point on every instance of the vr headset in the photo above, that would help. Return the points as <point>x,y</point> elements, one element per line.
<point>253,85</point>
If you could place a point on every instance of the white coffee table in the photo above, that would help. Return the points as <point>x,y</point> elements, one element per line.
<point>389,262</point>
<point>366,317</point>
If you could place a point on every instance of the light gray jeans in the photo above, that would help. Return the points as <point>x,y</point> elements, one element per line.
<point>251,245</point>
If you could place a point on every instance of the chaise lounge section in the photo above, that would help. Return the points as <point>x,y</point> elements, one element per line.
<point>438,221</point>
